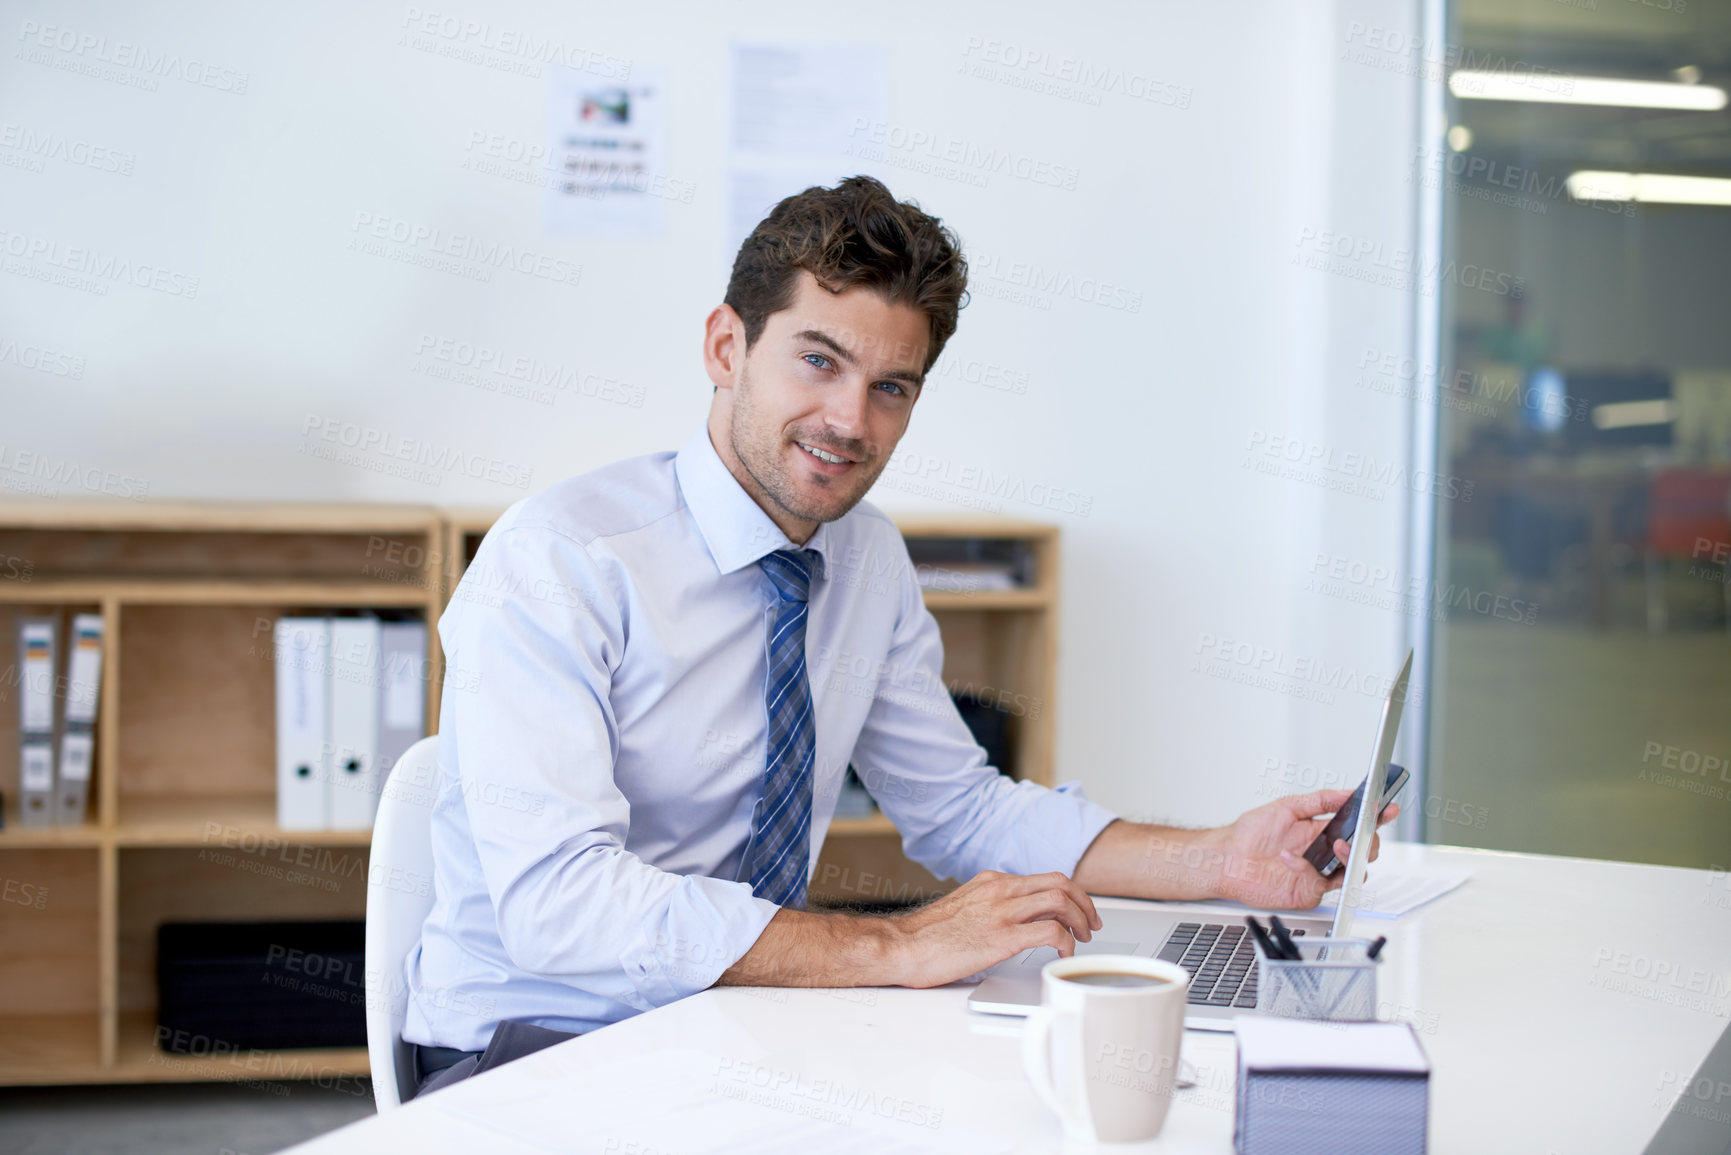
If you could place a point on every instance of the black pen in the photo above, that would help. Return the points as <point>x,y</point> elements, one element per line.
<point>1262,939</point>
<point>1288,948</point>
<point>1376,947</point>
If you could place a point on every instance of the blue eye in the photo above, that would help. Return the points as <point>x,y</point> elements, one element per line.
<point>813,358</point>
<point>896,385</point>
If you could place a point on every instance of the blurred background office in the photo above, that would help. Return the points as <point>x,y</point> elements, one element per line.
<point>1319,330</point>
<point>1594,410</point>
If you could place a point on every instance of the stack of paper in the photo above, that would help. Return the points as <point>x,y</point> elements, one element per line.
<point>964,576</point>
<point>1391,893</point>
<point>1330,1088</point>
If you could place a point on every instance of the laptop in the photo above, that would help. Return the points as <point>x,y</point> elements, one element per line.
<point>1215,949</point>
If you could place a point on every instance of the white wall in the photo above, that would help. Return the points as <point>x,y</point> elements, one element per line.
<point>1300,124</point>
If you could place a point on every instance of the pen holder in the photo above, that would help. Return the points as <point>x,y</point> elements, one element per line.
<point>1334,980</point>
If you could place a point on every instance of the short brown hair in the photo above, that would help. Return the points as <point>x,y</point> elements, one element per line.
<point>856,233</point>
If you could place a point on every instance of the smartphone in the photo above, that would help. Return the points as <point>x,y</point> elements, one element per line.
<point>1345,822</point>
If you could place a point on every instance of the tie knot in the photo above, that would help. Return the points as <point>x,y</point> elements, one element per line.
<point>789,571</point>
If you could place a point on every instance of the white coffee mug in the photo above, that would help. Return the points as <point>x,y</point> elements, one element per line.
<point>1104,1056</point>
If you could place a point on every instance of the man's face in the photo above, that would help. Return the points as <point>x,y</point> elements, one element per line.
<point>822,399</point>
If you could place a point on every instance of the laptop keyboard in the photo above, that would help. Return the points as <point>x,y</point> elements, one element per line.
<point>1220,958</point>
<point>1221,961</point>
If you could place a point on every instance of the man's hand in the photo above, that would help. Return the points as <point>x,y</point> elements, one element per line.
<point>1264,849</point>
<point>1257,860</point>
<point>988,919</point>
<point>993,916</point>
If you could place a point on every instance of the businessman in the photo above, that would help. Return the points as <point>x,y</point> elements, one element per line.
<point>673,659</point>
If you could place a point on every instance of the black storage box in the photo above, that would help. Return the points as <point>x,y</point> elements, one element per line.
<point>990,725</point>
<point>270,985</point>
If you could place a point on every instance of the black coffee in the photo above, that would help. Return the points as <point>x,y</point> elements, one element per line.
<point>1113,979</point>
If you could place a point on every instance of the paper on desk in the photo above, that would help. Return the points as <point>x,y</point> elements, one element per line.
<point>689,1100</point>
<point>1390,893</point>
<point>1269,1043</point>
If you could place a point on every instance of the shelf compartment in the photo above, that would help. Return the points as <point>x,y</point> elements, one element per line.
<point>217,883</point>
<point>197,712</point>
<point>50,1000</point>
<point>197,701</point>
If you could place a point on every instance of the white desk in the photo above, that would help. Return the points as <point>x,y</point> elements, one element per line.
<point>1563,1003</point>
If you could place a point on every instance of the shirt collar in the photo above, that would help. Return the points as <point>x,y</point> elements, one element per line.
<point>734,526</point>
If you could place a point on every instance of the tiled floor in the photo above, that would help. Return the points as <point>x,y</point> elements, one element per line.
<point>200,1119</point>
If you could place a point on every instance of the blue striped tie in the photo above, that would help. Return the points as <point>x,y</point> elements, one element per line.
<point>777,858</point>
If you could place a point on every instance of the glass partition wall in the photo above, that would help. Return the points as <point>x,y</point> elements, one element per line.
<point>1582,634</point>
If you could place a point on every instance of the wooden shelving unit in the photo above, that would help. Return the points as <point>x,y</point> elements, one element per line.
<point>183,802</point>
<point>182,820</point>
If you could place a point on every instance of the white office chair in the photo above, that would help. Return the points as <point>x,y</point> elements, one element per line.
<point>399,897</point>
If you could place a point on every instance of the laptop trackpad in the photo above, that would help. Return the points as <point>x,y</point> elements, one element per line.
<point>1041,955</point>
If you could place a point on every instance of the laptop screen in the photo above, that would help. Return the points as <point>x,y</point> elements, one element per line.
<point>1369,811</point>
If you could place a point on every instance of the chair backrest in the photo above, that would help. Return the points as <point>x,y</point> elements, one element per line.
<point>399,897</point>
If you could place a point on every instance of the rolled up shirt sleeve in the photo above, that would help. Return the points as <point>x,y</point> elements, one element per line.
<point>956,814</point>
<point>535,744</point>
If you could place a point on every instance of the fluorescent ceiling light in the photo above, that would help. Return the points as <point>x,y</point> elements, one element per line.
<point>1628,414</point>
<point>1652,187</point>
<point>1560,88</point>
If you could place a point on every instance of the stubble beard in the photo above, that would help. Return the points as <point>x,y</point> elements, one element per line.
<point>763,462</point>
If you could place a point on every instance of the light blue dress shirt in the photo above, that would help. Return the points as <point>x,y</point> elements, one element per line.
<point>602,746</point>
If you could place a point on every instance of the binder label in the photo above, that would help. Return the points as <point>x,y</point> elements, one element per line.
<point>75,750</point>
<point>36,770</point>
<point>37,713</point>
